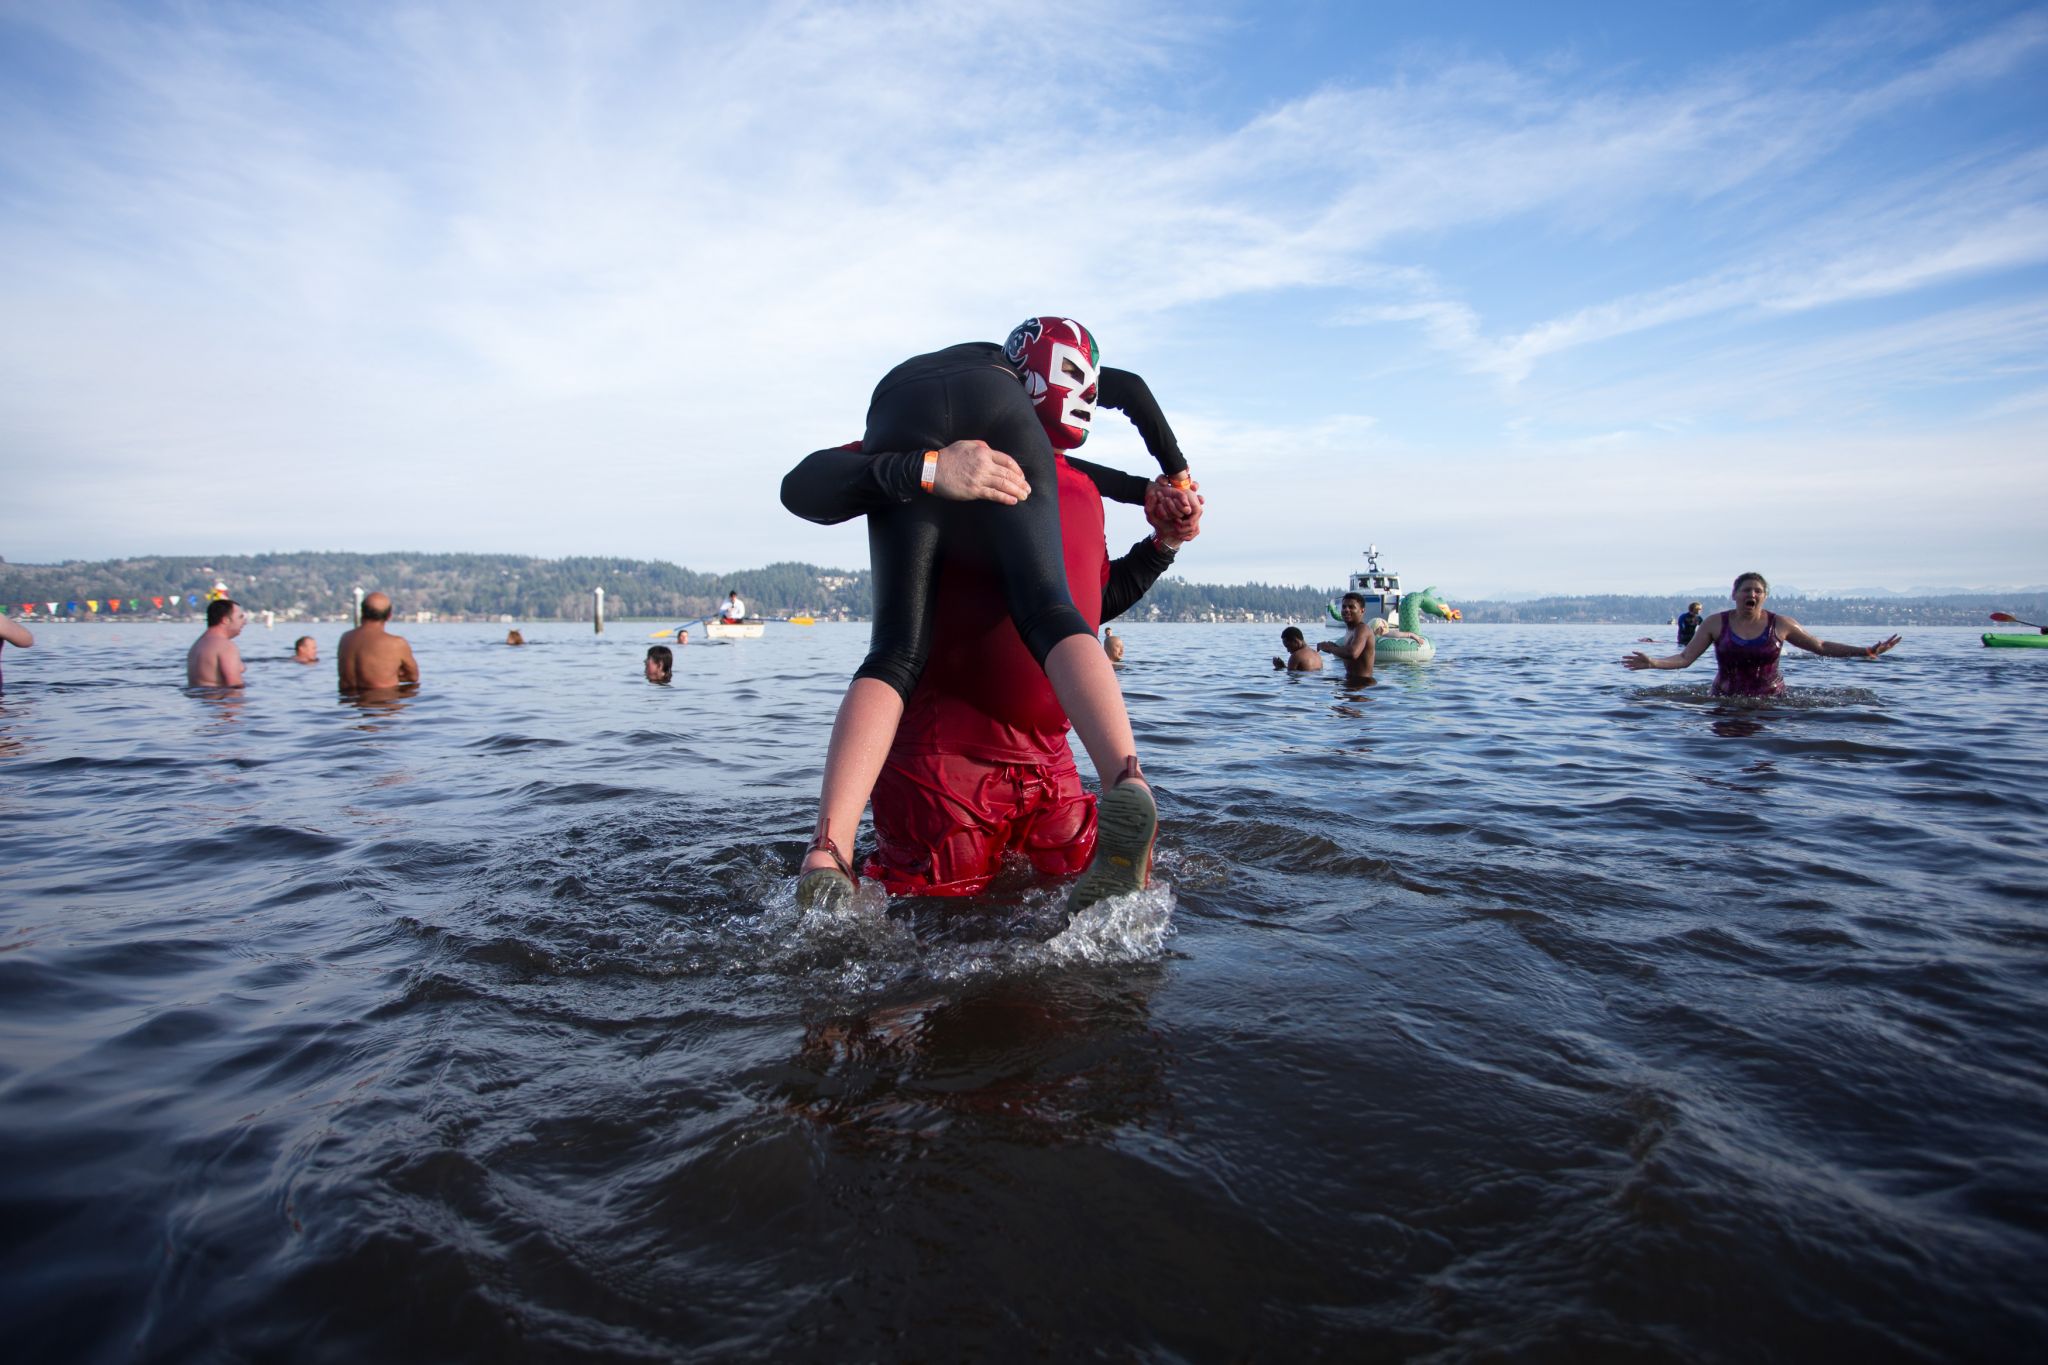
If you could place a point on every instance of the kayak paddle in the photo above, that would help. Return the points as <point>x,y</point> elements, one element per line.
<point>2008,616</point>
<point>664,634</point>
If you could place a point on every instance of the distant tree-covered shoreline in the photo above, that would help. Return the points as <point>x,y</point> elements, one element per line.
<point>315,585</point>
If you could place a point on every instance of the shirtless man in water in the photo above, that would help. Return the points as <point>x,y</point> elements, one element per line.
<point>1356,648</point>
<point>370,658</point>
<point>1299,658</point>
<point>213,660</point>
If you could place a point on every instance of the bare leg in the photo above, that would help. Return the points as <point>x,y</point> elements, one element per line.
<point>861,737</point>
<point>1126,818</point>
<point>1085,682</point>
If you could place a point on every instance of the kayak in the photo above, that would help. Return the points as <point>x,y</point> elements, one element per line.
<point>2035,641</point>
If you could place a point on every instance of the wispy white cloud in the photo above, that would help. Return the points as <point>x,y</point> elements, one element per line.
<point>541,271</point>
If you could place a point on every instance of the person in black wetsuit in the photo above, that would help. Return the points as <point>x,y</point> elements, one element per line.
<point>1689,623</point>
<point>978,421</point>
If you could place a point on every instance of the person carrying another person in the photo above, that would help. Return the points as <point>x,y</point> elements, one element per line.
<point>980,766</point>
<point>956,442</point>
<point>1689,623</point>
<point>305,650</point>
<point>735,611</point>
<point>1356,648</point>
<point>13,632</point>
<point>1299,657</point>
<point>213,660</point>
<point>1747,642</point>
<point>660,666</point>
<point>370,658</point>
<point>992,417</point>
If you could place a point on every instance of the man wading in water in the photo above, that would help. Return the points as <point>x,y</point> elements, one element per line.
<point>370,658</point>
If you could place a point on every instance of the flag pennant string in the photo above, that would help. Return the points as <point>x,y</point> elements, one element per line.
<point>186,600</point>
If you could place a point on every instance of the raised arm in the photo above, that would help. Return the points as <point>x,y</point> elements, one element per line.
<point>1796,634</point>
<point>1701,638</point>
<point>1131,396</point>
<point>15,633</point>
<point>1134,574</point>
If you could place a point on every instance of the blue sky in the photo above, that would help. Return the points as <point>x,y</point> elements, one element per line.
<point>1535,297</point>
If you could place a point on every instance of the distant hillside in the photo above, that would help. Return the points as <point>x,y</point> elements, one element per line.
<point>1957,609</point>
<point>467,586</point>
<point>449,585</point>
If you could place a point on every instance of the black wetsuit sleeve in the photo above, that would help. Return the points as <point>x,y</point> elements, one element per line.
<point>1129,395</point>
<point>1130,576</point>
<point>1113,484</point>
<point>844,482</point>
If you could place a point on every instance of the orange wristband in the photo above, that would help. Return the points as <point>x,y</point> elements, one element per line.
<point>931,470</point>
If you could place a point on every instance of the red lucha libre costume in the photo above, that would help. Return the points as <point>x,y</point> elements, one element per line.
<point>981,764</point>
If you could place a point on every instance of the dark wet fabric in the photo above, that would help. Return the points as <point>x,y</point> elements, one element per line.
<point>1747,668</point>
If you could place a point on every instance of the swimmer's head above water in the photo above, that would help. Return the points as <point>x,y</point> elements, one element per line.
<point>1059,363</point>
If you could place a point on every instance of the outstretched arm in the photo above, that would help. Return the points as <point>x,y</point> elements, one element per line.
<point>1796,634</point>
<point>1701,638</point>
<point>15,633</point>
<point>1113,484</point>
<point>844,482</point>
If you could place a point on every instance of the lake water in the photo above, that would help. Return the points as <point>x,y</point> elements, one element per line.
<point>1520,1007</point>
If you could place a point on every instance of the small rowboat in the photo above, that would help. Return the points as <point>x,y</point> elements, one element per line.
<point>2038,640</point>
<point>734,630</point>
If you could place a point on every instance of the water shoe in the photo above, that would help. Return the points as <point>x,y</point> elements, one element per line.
<point>826,888</point>
<point>1126,823</point>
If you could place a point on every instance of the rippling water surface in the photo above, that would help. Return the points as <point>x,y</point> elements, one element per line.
<point>1519,1005</point>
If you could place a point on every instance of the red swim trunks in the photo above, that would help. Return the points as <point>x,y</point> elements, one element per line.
<point>944,821</point>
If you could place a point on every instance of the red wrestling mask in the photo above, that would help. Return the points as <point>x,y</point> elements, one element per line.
<point>1057,360</point>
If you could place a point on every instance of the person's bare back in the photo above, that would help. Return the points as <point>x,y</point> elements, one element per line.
<point>213,660</point>
<point>1299,657</point>
<point>370,658</point>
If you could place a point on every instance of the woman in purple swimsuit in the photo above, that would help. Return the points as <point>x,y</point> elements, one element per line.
<point>1747,642</point>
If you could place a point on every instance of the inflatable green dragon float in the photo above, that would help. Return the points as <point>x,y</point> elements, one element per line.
<point>1401,647</point>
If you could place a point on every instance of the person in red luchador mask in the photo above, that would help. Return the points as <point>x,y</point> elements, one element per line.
<point>955,445</point>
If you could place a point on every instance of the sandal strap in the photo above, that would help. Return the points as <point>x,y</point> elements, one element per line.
<point>822,842</point>
<point>1130,770</point>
